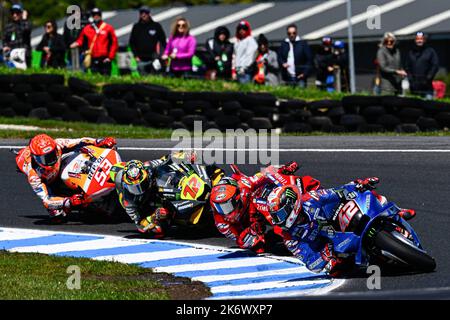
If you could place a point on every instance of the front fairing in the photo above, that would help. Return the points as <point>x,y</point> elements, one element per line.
<point>348,242</point>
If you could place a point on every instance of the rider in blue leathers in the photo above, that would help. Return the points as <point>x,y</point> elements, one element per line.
<point>297,218</point>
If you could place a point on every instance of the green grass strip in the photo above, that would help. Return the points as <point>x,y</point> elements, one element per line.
<point>31,276</point>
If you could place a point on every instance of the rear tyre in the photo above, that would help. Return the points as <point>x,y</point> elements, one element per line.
<point>414,257</point>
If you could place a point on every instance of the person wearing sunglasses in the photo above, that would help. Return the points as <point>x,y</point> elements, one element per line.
<point>17,33</point>
<point>52,47</point>
<point>422,64</point>
<point>390,63</point>
<point>245,49</point>
<point>147,41</point>
<point>180,49</point>
<point>295,58</point>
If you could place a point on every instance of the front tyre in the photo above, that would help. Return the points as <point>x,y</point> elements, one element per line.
<point>404,252</point>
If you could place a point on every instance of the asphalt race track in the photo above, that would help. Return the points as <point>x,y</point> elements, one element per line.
<point>414,173</point>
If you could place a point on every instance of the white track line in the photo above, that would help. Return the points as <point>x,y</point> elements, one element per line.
<point>336,283</point>
<point>361,150</point>
<point>425,23</point>
<point>231,18</point>
<point>155,256</point>
<point>266,285</point>
<point>216,265</point>
<point>7,235</point>
<point>296,17</point>
<point>157,17</point>
<point>332,28</point>
<point>228,277</point>
<point>105,16</point>
<point>76,246</point>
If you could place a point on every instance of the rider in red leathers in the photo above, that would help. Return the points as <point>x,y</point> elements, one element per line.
<point>233,203</point>
<point>41,162</point>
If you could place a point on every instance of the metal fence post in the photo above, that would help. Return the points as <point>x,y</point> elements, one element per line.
<point>75,58</point>
<point>337,79</point>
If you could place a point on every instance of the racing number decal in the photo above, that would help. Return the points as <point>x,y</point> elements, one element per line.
<point>192,187</point>
<point>103,172</point>
<point>346,214</point>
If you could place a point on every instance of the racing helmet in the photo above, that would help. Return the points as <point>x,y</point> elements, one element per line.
<point>45,152</point>
<point>284,203</point>
<point>135,178</point>
<point>226,199</point>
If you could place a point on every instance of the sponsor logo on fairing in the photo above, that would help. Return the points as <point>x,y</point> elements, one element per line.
<point>343,243</point>
<point>184,205</point>
<point>94,167</point>
<point>336,212</point>
<point>368,201</point>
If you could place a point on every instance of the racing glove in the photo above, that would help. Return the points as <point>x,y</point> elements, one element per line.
<point>107,142</point>
<point>151,225</point>
<point>289,168</point>
<point>335,266</point>
<point>252,239</point>
<point>366,184</point>
<point>76,200</point>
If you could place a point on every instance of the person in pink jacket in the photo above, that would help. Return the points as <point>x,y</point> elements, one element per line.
<point>180,49</point>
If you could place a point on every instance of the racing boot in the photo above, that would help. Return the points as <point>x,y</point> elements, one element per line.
<point>407,214</point>
<point>57,216</point>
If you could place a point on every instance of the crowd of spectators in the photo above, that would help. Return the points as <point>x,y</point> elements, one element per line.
<point>244,58</point>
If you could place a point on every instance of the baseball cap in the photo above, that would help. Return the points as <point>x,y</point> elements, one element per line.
<point>96,11</point>
<point>420,34</point>
<point>16,8</point>
<point>145,9</point>
<point>338,44</point>
<point>327,41</point>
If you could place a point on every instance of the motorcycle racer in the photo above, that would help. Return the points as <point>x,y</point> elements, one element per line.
<point>298,219</point>
<point>40,161</point>
<point>235,210</point>
<point>134,181</point>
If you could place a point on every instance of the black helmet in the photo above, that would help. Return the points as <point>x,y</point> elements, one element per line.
<point>96,11</point>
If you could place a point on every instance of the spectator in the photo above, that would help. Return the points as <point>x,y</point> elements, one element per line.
<point>389,61</point>
<point>17,33</point>
<point>324,63</point>
<point>265,67</point>
<point>340,59</point>
<point>245,49</point>
<point>422,64</point>
<point>295,58</point>
<point>52,47</point>
<point>180,49</point>
<point>220,54</point>
<point>102,43</point>
<point>147,41</point>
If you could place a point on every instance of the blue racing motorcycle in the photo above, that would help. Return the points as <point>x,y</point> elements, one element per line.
<point>362,228</point>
